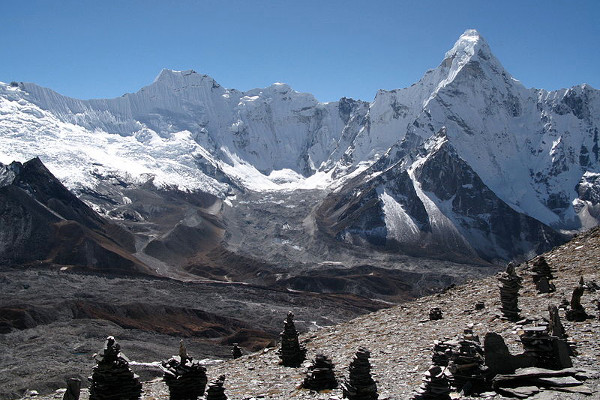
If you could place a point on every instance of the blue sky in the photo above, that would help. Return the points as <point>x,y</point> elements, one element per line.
<point>101,49</point>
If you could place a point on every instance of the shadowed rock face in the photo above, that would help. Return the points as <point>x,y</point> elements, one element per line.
<point>440,205</point>
<point>43,221</point>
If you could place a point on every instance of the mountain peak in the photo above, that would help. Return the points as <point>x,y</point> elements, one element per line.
<point>171,77</point>
<point>469,45</point>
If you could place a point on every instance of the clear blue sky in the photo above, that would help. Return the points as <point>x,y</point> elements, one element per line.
<point>100,49</point>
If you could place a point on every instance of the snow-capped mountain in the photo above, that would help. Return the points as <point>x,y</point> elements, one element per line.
<point>526,158</point>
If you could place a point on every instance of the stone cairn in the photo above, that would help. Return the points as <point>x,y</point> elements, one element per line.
<point>576,312</point>
<point>320,374</point>
<point>466,371</point>
<point>360,385</point>
<point>537,344</point>
<point>542,275</point>
<point>291,353</point>
<point>435,385</point>
<point>216,391</point>
<point>112,379</point>
<point>435,313</point>
<point>185,377</point>
<point>545,349</point>
<point>509,293</point>
<point>480,305</point>
<point>236,352</point>
<point>442,349</point>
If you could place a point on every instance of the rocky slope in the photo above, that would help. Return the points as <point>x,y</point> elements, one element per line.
<point>42,221</point>
<point>401,338</point>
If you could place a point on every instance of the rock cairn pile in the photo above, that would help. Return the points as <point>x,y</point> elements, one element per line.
<point>510,283</point>
<point>480,305</point>
<point>435,313</point>
<point>435,385</point>
<point>537,344</point>
<point>545,350</point>
<point>112,379</point>
<point>216,391</point>
<point>466,370</point>
<point>360,385</point>
<point>291,353</point>
<point>185,377</point>
<point>442,350</point>
<point>542,275</point>
<point>236,352</point>
<point>576,312</point>
<point>320,375</point>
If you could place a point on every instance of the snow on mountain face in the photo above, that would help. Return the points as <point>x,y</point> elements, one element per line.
<point>535,150</point>
<point>262,130</point>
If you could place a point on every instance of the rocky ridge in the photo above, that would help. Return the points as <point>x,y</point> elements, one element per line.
<point>401,338</point>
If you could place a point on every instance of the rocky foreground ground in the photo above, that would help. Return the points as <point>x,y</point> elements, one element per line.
<point>401,338</point>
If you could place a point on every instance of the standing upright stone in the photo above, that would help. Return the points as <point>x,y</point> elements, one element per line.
<point>291,353</point>
<point>216,391</point>
<point>556,327</point>
<point>542,275</point>
<point>509,293</point>
<point>320,375</point>
<point>73,389</point>
<point>112,379</point>
<point>360,385</point>
<point>184,376</point>
<point>576,311</point>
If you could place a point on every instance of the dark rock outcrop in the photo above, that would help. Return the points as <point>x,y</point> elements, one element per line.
<point>43,221</point>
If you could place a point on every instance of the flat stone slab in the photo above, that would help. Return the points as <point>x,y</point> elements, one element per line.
<point>521,392</point>
<point>558,381</point>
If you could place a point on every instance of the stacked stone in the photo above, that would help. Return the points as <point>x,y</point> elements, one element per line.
<point>320,374</point>
<point>435,385</point>
<point>435,313</point>
<point>291,353</point>
<point>360,385</point>
<point>216,391</point>
<point>537,344</point>
<point>576,312</point>
<point>185,377</point>
<point>442,350</point>
<point>236,352</point>
<point>112,379</point>
<point>466,370</point>
<point>509,293</point>
<point>542,275</point>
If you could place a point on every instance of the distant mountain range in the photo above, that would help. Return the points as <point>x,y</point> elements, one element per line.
<point>465,164</point>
